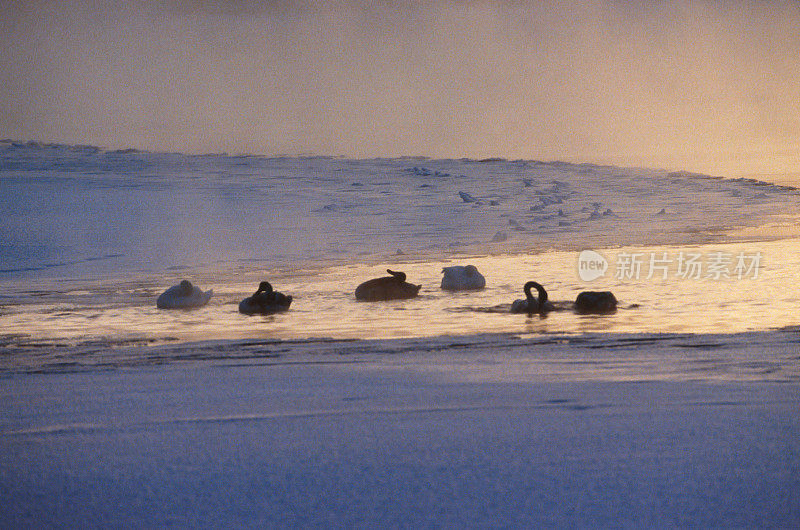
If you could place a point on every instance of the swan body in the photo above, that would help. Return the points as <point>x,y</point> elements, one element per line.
<point>183,296</point>
<point>265,301</point>
<point>462,278</point>
<point>596,302</point>
<point>394,287</point>
<point>531,304</point>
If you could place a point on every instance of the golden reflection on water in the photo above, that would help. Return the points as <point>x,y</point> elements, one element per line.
<point>324,304</point>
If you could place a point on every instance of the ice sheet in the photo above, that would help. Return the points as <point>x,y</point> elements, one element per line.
<point>486,432</point>
<point>82,212</point>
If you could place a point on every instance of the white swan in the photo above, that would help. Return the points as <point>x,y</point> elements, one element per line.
<point>183,296</point>
<point>462,278</point>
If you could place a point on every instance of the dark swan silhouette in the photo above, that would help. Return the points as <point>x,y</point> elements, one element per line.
<point>596,302</point>
<point>265,301</point>
<point>394,287</point>
<point>183,296</point>
<point>531,304</point>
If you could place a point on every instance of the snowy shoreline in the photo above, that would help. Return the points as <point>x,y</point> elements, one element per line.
<point>562,431</point>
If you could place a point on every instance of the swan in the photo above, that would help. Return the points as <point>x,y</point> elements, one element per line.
<point>392,287</point>
<point>265,301</point>
<point>462,278</point>
<point>183,296</point>
<point>531,304</point>
<point>596,302</point>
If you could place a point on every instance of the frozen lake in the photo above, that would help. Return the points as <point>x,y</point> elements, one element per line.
<point>679,409</point>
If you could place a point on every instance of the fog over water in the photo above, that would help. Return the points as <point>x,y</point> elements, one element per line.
<point>705,86</point>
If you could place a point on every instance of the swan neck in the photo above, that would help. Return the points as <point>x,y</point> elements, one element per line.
<point>542,295</point>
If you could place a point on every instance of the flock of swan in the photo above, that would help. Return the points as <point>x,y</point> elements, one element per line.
<point>393,287</point>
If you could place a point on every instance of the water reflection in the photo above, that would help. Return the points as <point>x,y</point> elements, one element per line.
<point>324,303</point>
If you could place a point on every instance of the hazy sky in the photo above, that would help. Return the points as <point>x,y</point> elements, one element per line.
<point>697,85</point>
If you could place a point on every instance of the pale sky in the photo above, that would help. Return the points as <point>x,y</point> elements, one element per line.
<point>711,86</point>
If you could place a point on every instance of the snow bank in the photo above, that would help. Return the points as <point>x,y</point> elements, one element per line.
<point>476,431</point>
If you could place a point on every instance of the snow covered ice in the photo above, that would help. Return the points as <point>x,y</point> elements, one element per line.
<point>79,212</point>
<point>479,431</point>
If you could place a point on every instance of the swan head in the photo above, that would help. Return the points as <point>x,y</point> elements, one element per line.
<point>265,287</point>
<point>399,276</point>
<point>186,287</point>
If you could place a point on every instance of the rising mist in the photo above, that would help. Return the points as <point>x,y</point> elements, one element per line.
<point>711,86</point>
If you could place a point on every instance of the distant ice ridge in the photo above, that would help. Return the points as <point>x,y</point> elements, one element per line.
<point>77,211</point>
